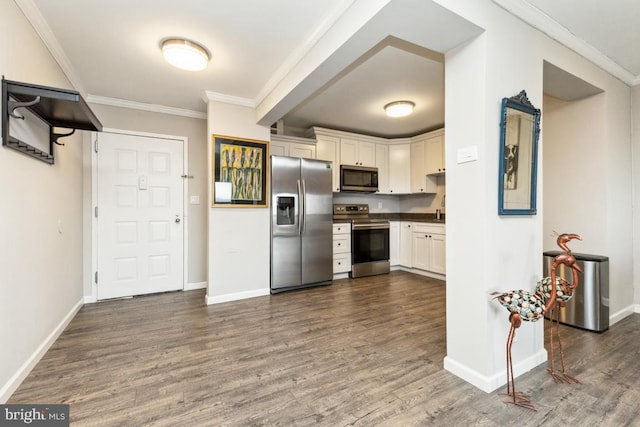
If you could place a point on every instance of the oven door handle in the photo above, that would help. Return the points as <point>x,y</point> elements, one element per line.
<point>366,226</point>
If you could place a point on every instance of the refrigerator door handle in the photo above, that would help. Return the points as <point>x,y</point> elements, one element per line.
<point>300,207</point>
<point>303,204</point>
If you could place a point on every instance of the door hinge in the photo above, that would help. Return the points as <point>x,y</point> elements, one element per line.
<point>95,211</point>
<point>96,278</point>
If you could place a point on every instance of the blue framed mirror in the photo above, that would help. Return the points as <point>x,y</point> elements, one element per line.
<point>519,133</point>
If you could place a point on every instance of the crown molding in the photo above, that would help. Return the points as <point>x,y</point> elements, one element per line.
<point>228,99</point>
<point>537,19</point>
<point>39,24</point>
<point>154,108</point>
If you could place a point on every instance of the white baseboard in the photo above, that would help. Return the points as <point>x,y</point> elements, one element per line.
<point>195,285</point>
<point>217,299</point>
<point>619,315</point>
<point>14,382</point>
<point>91,299</point>
<point>497,380</point>
<point>419,272</point>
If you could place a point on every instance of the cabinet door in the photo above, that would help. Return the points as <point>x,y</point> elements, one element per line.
<point>434,152</point>
<point>406,243</point>
<point>278,149</point>
<point>382,163</point>
<point>400,169</point>
<point>394,242</point>
<point>349,152</point>
<point>418,172</point>
<point>327,149</point>
<point>420,251</point>
<point>367,154</point>
<point>306,151</point>
<point>437,256</point>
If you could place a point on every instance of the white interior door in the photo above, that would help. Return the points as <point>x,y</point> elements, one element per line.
<point>140,215</point>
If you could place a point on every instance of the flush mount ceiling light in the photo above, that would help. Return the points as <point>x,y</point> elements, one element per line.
<point>185,54</point>
<point>399,108</point>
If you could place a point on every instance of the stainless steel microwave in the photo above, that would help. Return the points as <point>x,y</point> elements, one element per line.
<point>358,178</point>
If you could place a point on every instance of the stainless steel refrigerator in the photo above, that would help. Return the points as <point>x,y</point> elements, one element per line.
<point>301,223</point>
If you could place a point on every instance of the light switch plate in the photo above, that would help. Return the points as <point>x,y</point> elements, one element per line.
<point>468,154</point>
<point>194,200</point>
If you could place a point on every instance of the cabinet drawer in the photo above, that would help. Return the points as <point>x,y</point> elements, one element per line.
<point>341,263</point>
<point>419,227</point>
<point>342,244</point>
<point>342,228</point>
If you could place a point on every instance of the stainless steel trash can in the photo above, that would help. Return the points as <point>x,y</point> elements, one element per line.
<point>589,307</point>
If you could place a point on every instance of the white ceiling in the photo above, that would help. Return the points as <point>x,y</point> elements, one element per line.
<point>612,27</point>
<point>110,51</point>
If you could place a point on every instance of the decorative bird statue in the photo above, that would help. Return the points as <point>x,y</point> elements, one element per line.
<point>564,292</point>
<point>531,307</point>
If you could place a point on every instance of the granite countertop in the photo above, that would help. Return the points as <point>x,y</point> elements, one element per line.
<point>413,217</point>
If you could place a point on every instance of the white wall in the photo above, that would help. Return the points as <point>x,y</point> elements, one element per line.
<point>486,251</point>
<point>581,192</point>
<point>635,131</point>
<point>40,220</point>
<point>239,238</point>
<point>197,215</point>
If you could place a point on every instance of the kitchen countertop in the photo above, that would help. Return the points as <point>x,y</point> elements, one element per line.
<point>413,217</point>
<point>427,218</point>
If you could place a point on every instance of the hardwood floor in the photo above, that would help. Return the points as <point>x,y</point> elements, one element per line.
<point>357,353</point>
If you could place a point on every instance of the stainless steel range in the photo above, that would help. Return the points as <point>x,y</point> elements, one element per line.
<point>369,240</point>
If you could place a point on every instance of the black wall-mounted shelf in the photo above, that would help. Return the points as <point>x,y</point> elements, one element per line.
<point>59,108</point>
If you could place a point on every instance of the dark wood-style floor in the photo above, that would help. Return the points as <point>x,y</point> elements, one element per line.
<point>362,352</point>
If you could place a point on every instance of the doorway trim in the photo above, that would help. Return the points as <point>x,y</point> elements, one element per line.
<point>90,216</point>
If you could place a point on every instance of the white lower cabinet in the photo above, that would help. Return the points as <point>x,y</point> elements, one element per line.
<point>341,248</point>
<point>405,247</point>
<point>394,242</point>
<point>428,248</point>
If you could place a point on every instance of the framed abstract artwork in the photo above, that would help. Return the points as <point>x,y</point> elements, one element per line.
<point>239,172</point>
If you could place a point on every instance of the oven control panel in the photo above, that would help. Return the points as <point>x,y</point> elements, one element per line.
<point>351,210</point>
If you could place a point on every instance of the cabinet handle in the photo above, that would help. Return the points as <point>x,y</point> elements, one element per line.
<point>339,244</point>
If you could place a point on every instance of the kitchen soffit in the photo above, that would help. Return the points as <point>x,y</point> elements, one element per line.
<point>392,70</point>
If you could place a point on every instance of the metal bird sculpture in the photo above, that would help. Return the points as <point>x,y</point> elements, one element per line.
<point>531,307</point>
<point>564,292</point>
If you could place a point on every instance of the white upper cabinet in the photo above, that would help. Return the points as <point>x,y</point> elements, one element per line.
<point>404,164</point>
<point>418,167</point>
<point>282,145</point>
<point>434,151</point>
<point>400,169</point>
<point>357,153</point>
<point>382,163</point>
<point>327,149</point>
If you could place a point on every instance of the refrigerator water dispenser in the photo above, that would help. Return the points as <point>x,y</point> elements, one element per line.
<point>285,211</point>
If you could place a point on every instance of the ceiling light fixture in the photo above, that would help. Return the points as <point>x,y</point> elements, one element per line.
<point>399,108</point>
<point>185,54</point>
